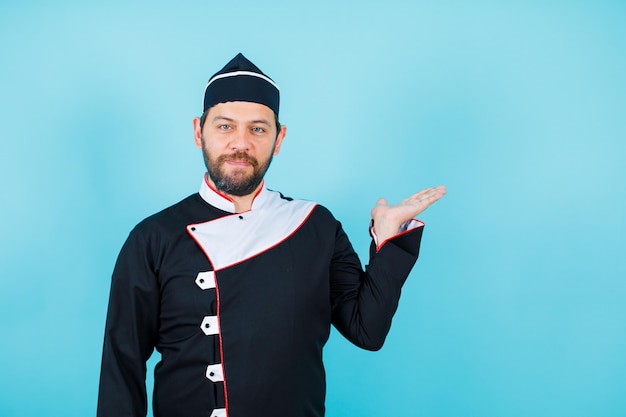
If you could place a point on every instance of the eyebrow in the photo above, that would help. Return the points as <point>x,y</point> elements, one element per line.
<point>228,119</point>
<point>261,121</point>
<point>217,118</point>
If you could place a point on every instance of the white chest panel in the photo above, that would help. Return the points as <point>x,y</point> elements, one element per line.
<point>240,236</point>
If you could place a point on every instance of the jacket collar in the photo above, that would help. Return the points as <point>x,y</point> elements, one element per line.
<point>223,202</point>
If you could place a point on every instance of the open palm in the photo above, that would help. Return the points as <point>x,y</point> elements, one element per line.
<point>388,218</point>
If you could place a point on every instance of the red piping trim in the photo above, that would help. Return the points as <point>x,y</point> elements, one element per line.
<point>225,197</point>
<point>259,191</point>
<point>217,295</point>
<point>219,321</point>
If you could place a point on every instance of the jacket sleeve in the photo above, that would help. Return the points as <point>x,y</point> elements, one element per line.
<point>364,302</point>
<point>131,331</point>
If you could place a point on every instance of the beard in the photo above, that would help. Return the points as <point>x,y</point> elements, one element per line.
<point>237,182</point>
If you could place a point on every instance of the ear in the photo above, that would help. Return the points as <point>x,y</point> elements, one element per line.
<point>279,139</point>
<point>197,132</point>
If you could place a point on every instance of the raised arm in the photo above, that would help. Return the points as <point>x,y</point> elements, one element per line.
<point>364,302</point>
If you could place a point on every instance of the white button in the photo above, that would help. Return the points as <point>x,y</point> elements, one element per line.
<point>206,280</point>
<point>218,412</point>
<point>214,372</point>
<point>210,325</point>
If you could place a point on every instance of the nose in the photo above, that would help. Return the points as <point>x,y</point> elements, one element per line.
<point>240,140</point>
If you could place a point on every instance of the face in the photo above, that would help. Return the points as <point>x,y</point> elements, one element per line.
<point>238,141</point>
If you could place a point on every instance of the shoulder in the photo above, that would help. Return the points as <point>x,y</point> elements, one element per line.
<point>175,217</point>
<point>317,212</point>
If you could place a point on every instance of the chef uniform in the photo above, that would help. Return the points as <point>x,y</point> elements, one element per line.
<point>240,305</point>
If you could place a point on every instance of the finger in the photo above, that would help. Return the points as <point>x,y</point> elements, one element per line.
<point>426,197</point>
<point>429,192</point>
<point>433,195</point>
<point>436,192</point>
<point>381,202</point>
<point>420,196</point>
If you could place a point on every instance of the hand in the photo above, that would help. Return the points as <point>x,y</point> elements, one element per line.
<point>388,218</point>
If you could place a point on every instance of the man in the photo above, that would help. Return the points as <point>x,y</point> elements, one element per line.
<point>236,286</point>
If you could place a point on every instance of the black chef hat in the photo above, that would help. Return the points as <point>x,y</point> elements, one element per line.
<point>241,80</point>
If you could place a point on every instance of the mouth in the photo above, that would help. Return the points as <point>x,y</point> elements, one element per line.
<point>241,160</point>
<point>238,162</point>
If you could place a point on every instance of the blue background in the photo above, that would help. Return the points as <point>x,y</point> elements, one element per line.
<point>517,305</point>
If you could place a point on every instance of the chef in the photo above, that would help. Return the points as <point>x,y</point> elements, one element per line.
<point>236,286</point>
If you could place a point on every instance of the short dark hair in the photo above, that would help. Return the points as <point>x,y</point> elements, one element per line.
<point>206,112</point>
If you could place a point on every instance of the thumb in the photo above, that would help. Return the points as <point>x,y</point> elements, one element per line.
<point>381,202</point>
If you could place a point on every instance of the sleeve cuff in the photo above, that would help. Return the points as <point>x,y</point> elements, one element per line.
<point>404,228</point>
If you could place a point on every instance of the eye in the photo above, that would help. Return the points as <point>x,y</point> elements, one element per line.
<point>258,129</point>
<point>224,127</point>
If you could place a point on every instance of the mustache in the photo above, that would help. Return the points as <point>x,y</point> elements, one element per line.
<point>238,156</point>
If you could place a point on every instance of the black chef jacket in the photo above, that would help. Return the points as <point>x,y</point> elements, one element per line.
<point>240,305</point>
